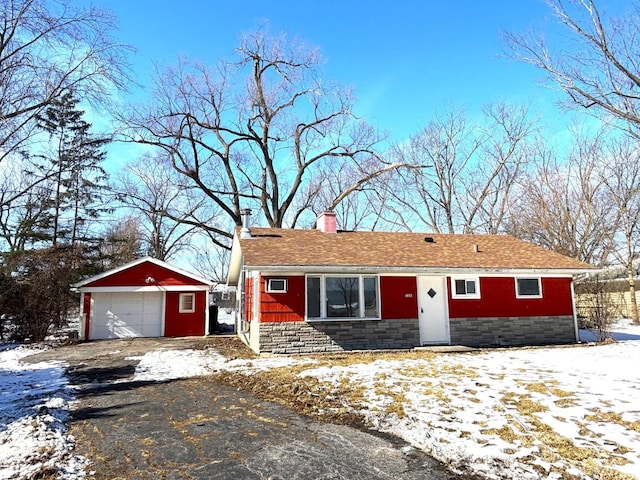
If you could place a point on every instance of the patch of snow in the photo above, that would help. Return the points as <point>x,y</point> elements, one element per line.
<point>163,365</point>
<point>35,401</point>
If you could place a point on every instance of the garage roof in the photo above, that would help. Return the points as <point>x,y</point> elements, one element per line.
<point>145,272</point>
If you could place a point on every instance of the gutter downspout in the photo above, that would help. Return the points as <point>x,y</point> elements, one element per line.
<point>575,313</point>
<point>243,324</point>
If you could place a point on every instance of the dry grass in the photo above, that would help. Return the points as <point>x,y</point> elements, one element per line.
<point>341,402</point>
<point>230,347</point>
<point>600,416</point>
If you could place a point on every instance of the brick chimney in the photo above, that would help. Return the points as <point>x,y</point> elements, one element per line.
<point>326,222</point>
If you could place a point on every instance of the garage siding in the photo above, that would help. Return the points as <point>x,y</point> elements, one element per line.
<point>185,324</point>
<point>127,315</point>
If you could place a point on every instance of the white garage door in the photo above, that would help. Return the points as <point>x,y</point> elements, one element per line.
<point>125,315</point>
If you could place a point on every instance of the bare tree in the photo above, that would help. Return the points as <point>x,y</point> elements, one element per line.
<point>445,146</point>
<point>356,193</point>
<point>468,171</point>
<point>596,64</point>
<point>23,205</point>
<point>211,263</point>
<point>562,205</point>
<point>46,49</point>
<point>123,242</point>
<point>255,132</point>
<point>596,304</point>
<point>34,288</point>
<point>168,211</point>
<point>502,159</point>
<point>621,179</point>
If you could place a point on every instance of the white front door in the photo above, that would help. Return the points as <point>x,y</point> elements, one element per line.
<point>432,310</point>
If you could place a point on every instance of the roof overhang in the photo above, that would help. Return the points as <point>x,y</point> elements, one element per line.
<point>152,288</point>
<point>334,269</point>
<point>235,263</point>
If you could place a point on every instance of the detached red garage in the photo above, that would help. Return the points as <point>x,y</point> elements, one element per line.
<point>144,298</point>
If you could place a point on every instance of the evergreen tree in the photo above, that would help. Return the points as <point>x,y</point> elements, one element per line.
<point>78,178</point>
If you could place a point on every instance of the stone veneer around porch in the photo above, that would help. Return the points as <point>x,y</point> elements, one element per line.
<point>512,331</point>
<point>336,336</point>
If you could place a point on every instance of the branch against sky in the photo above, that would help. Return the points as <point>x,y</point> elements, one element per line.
<point>467,175</point>
<point>598,62</point>
<point>562,205</point>
<point>621,179</point>
<point>254,133</point>
<point>46,49</point>
<point>168,210</point>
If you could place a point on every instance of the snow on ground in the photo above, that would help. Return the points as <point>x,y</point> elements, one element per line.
<point>486,412</point>
<point>539,413</point>
<point>490,412</point>
<point>35,401</point>
<point>162,365</point>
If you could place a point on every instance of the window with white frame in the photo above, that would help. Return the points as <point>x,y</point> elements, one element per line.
<point>187,303</point>
<point>528,287</point>
<point>342,296</point>
<point>465,287</point>
<point>276,285</point>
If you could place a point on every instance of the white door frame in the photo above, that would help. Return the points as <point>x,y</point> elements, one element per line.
<point>433,311</point>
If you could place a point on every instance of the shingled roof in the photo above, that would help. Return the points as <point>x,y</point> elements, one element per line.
<point>270,248</point>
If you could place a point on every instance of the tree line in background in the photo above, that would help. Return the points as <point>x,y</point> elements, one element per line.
<point>265,130</point>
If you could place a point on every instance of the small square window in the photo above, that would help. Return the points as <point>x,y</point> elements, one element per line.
<point>528,288</point>
<point>465,288</point>
<point>187,303</point>
<point>276,285</point>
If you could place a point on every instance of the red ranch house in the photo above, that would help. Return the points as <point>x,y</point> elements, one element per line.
<point>328,290</point>
<point>144,298</point>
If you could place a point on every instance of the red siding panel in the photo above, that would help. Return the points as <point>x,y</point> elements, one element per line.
<point>498,299</point>
<point>398,297</point>
<point>248,300</point>
<point>283,307</point>
<point>86,312</point>
<point>184,324</point>
<point>136,276</point>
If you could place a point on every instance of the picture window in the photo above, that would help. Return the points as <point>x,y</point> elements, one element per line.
<point>337,296</point>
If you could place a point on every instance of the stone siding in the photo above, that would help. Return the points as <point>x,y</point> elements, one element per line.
<point>511,331</point>
<point>336,336</point>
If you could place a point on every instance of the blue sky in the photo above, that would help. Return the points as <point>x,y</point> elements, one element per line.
<point>406,60</point>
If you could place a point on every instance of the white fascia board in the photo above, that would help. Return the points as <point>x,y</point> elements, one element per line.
<point>134,289</point>
<point>306,269</point>
<point>235,263</point>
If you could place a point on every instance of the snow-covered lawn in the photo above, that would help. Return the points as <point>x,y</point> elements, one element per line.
<point>35,401</point>
<point>530,413</point>
<point>513,413</point>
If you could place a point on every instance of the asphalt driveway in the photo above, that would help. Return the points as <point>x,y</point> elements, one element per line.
<point>202,429</point>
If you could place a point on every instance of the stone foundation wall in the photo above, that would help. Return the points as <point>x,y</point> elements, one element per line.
<point>336,336</point>
<point>511,331</point>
